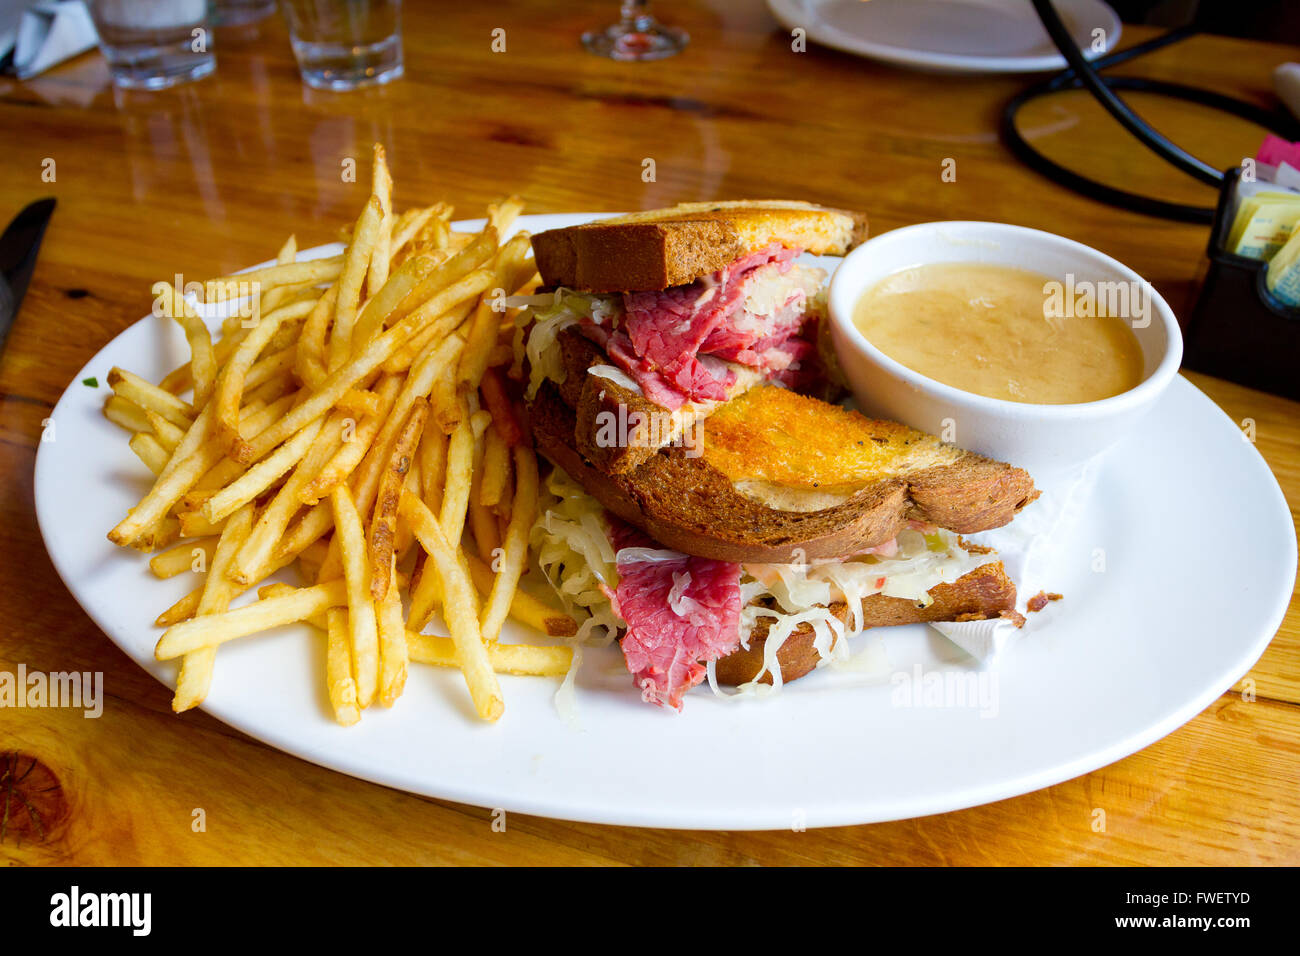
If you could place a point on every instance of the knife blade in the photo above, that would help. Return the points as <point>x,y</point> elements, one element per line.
<point>19,245</point>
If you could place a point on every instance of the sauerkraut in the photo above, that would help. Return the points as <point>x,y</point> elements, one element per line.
<point>571,540</point>
<point>551,313</point>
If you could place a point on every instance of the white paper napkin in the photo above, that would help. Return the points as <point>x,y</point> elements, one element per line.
<point>1029,547</point>
<point>44,34</point>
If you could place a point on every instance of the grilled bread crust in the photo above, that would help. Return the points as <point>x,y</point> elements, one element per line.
<point>593,397</point>
<point>977,595</point>
<point>688,505</point>
<point>650,251</point>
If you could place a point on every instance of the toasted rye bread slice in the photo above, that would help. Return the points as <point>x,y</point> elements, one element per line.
<point>690,506</point>
<point>975,596</point>
<point>649,251</point>
<point>601,398</point>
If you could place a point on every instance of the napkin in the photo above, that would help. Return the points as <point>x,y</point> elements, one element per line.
<point>1031,548</point>
<point>44,34</point>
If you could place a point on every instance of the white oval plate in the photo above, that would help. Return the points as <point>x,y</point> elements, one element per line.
<point>1200,558</point>
<point>950,36</point>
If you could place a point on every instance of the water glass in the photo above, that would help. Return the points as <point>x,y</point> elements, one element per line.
<point>154,44</point>
<point>344,44</point>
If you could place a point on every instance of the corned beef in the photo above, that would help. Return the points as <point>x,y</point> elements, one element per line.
<point>671,339</point>
<point>680,613</point>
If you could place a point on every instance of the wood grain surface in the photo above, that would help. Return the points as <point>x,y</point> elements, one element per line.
<point>211,177</point>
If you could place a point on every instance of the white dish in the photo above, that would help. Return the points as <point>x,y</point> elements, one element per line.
<point>1125,659</point>
<point>950,36</point>
<point>1046,440</point>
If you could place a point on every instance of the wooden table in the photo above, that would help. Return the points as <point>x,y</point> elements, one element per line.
<point>210,177</point>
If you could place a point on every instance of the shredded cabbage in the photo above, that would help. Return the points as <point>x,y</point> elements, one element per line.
<point>574,551</point>
<point>551,314</point>
<point>768,288</point>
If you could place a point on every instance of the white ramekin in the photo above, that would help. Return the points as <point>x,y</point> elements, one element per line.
<point>1043,439</point>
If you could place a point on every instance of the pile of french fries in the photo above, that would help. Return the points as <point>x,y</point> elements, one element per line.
<point>361,427</point>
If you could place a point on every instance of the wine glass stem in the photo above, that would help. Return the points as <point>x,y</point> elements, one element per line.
<point>636,14</point>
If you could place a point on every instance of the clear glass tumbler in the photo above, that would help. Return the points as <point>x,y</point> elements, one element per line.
<point>344,44</point>
<point>154,44</point>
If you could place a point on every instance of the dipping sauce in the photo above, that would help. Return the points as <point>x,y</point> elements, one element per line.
<point>995,331</point>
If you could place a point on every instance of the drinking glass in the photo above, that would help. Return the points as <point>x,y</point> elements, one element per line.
<point>154,44</point>
<point>344,44</point>
<point>637,36</point>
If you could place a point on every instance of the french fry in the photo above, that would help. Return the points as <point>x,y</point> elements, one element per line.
<point>525,659</point>
<point>182,377</point>
<point>280,589</point>
<point>329,392</point>
<point>381,188</point>
<point>160,535</point>
<point>356,259</point>
<point>293,273</point>
<point>268,369</point>
<point>270,299</point>
<point>310,357</point>
<point>184,558</point>
<point>126,413</point>
<point>460,607</point>
<point>362,625</point>
<point>392,642</point>
<point>524,608</point>
<point>148,449</point>
<point>487,319</point>
<point>496,468</point>
<point>310,559</point>
<point>460,468</point>
<point>182,610</point>
<point>173,483</point>
<point>196,437</point>
<point>230,385</point>
<point>438,328</point>
<point>339,683</point>
<point>455,501</point>
<point>168,435</point>
<point>215,629</point>
<point>185,608</point>
<point>515,549</point>
<point>483,526</point>
<point>385,306</point>
<point>498,403</point>
<point>135,389</point>
<point>383,523</point>
<point>306,530</point>
<point>356,443</point>
<point>409,225</point>
<point>429,288</point>
<point>332,389</point>
<point>203,360</point>
<point>194,525</point>
<point>275,517</point>
<point>261,476</point>
<point>433,467</point>
<point>196,667</point>
<point>503,214</point>
<point>359,402</point>
<point>416,387</point>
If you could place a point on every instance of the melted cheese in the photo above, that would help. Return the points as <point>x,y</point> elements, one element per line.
<point>771,439</point>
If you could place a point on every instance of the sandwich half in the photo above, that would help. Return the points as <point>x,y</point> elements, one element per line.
<point>744,538</point>
<point>666,315</point>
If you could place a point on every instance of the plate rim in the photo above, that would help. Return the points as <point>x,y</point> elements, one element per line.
<point>787,13</point>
